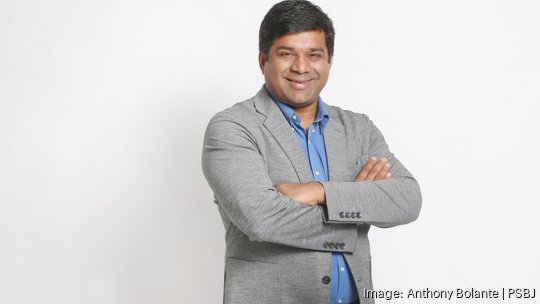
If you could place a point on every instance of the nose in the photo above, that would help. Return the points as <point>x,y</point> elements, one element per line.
<point>300,65</point>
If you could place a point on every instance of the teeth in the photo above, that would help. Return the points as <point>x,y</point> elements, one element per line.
<point>298,81</point>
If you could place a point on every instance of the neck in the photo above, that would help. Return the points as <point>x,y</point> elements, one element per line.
<point>307,114</point>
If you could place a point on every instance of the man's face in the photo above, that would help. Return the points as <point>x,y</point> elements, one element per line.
<point>297,68</point>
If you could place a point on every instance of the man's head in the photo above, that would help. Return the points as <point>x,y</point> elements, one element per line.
<point>296,45</point>
<point>294,16</point>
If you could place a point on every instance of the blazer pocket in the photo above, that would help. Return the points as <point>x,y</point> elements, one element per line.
<point>251,282</point>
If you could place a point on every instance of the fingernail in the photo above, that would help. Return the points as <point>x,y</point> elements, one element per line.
<point>387,165</point>
<point>373,158</point>
<point>384,159</point>
<point>388,174</point>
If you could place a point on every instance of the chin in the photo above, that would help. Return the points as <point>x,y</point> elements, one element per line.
<point>303,101</point>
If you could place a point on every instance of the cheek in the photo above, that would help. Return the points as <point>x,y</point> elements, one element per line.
<point>273,71</point>
<point>324,72</point>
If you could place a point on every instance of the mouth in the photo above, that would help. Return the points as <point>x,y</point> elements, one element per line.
<point>299,83</point>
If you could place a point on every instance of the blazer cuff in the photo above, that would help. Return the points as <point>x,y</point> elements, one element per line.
<point>339,208</point>
<point>344,242</point>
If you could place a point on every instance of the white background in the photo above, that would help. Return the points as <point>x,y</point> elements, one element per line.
<point>103,106</point>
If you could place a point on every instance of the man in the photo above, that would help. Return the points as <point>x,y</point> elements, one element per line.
<point>298,182</point>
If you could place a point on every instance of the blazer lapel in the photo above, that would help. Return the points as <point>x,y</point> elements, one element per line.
<point>336,147</point>
<point>280,129</point>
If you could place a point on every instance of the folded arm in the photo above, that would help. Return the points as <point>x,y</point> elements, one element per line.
<point>383,194</point>
<point>313,193</point>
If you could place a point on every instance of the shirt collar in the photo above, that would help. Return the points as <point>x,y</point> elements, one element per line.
<point>293,119</point>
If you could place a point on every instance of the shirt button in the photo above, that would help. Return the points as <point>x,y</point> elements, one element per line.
<point>313,131</point>
<point>340,300</point>
<point>342,269</point>
<point>317,173</point>
<point>294,117</point>
<point>292,128</point>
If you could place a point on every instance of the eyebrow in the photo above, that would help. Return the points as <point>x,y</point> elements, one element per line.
<point>288,48</point>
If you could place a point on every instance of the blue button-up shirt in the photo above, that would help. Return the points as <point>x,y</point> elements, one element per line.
<point>343,288</point>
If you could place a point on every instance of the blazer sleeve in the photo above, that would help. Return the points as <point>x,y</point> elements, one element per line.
<point>237,174</point>
<point>383,203</point>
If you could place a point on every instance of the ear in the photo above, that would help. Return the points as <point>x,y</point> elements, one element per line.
<point>331,60</point>
<point>262,62</point>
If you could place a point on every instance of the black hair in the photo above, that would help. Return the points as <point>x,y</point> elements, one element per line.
<point>294,16</point>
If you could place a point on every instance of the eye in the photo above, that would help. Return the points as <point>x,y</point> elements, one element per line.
<point>315,56</point>
<point>286,54</point>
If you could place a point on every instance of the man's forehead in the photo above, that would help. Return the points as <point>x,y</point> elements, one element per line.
<point>312,40</point>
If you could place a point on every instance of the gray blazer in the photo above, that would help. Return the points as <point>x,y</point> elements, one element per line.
<point>277,250</point>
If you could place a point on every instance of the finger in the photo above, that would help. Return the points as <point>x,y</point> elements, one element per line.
<point>376,169</point>
<point>365,170</point>
<point>384,171</point>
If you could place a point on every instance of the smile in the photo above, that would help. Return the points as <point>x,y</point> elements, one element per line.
<point>299,83</point>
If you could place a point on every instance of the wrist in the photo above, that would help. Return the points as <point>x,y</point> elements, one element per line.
<point>321,194</point>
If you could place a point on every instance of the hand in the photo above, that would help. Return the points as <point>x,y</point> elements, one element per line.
<point>306,194</point>
<point>374,170</point>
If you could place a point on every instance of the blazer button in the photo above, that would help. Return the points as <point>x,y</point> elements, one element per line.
<point>326,279</point>
<point>353,214</point>
<point>342,245</point>
<point>358,214</point>
<point>325,245</point>
<point>347,214</point>
<point>341,214</point>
